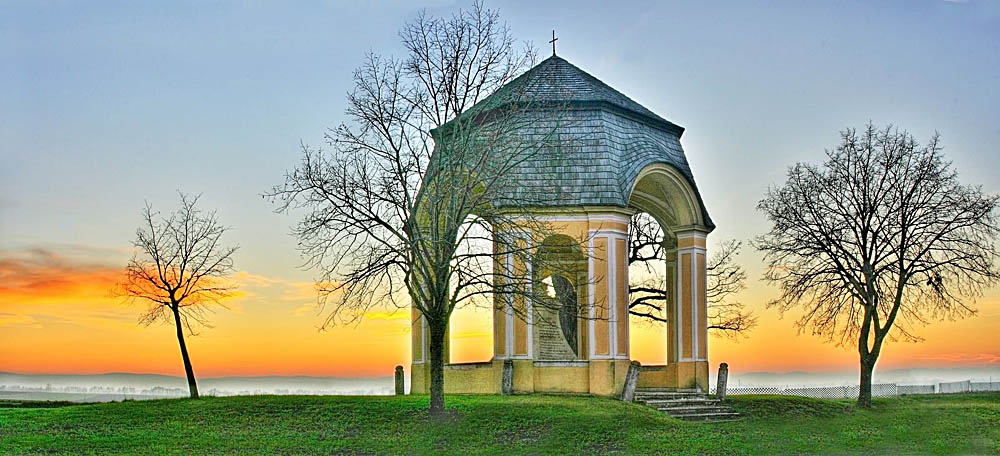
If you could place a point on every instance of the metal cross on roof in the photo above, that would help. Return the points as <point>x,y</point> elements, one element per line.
<point>553,41</point>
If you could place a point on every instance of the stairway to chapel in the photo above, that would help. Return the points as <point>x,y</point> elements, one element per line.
<point>688,405</point>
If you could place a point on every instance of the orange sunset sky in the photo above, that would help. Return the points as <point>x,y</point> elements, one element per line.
<point>57,318</point>
<point>107,107</point>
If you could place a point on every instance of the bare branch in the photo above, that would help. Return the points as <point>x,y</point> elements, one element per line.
<point>882,236</point>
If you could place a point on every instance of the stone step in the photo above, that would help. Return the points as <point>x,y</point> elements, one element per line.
<point>688,405</point>
<point>669,405</point>
<point>669,393</point>
<point>679,402</point>
<point>668,390</point>
<point>667,397</point>
<point>688,393</point>
<point>713,417</point>
<point>679,411</point>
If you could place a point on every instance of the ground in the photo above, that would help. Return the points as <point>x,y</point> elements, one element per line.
<point>537,424</point>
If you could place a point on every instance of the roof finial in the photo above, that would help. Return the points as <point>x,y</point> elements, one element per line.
<point>553,41</point>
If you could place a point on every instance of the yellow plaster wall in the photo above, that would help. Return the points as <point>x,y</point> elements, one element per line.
<point>419,379</point>
<point>702,308</point>
<point>621,304</point>
<point>524,378</point>
<point>686,294</point>
<point>521,334</point>
<point>598,377</point>
<point>562,379</point>
<point>690,241</point>
<point>416,335</point>
<point>658,376</point>
<point>607,377</point>
<point>479,378</point>
<point>600,322</point>
<point>500,332</point>
<point>692,374</point>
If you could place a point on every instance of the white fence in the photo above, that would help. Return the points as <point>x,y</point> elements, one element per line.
<point>977,387</point>
<point>878,390</point>
<point>821,392</point>
<point>915,389</point>
<point>968,387</point>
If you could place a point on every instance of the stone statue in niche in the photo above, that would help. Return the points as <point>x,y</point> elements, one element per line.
<point>566,295</point>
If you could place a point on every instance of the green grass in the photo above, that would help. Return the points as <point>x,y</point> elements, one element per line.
<point>500,425</point>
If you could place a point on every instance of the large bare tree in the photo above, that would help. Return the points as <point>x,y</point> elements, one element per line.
<point>412,202</point>
<point>648,294</point>
<point>179,271</point>
<point>880,238</point>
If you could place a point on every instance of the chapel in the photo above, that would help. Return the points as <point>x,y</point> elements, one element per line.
<point>633,163</point>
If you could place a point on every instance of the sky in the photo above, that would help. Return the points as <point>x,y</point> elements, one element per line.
<point>108,105</point>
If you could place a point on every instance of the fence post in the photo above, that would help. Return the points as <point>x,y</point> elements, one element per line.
<point>631,380</point>
<point>400,390</point>
<point>507,379</point>
<point>720,389</point>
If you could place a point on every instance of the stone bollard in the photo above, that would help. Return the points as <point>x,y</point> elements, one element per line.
<point>720,390</point>
<point>507,379</point>
<point>400,389</point>
<point>631,381</point>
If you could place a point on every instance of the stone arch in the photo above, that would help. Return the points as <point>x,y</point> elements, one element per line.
<point>661,191</point>
<point>665,194</point>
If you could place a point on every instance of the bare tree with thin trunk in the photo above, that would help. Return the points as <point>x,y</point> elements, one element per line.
<point>648,295</point>
<point>413,202</point>
<point>879,239</point>
<point>179,271</point>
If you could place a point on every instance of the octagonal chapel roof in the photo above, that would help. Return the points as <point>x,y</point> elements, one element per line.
<point>619,138</point>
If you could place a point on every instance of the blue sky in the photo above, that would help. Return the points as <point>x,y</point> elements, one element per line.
<point>108,104</point>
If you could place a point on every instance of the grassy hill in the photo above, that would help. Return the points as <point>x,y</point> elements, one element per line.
<point>492,424</point>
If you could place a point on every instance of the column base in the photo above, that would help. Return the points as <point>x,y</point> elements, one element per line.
<point>420,378</point>
<point>692,375</point>
<point>607,376</point>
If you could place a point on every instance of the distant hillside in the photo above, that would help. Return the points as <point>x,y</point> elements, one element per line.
<point>901,376</point>
<point>258,385</point>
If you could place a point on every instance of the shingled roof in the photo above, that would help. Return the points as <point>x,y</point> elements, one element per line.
<point>555,80</point>
<point>619,138</point>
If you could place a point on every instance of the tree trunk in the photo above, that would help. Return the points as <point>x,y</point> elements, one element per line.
<point>192,384</point>
<point>865,386</point>
<point>437,333</point>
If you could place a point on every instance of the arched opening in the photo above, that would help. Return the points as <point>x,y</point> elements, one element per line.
<point>664,202</point>
<point>470,329</point>
<point>650,289</point>
<point>559,272</point>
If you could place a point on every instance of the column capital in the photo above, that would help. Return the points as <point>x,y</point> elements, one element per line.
<point>691,231</point>
<point>691,239</point>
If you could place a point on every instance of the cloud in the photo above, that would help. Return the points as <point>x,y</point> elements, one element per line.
<point>11,319</point>
<point>71,285</point>
<point>246,278</point>
<point>41,275</point>
<point>309,308</point>
<point>266,290</point>
<point>962,358</point>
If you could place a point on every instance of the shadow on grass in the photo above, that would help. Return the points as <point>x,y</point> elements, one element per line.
<point>759,406</point>
<point>6,403</point>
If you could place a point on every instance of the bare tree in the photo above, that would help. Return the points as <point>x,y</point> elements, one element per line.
<point>179,271</point>
<point>880,238</point>
<point>648,296</point>
<point>413,202</point>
